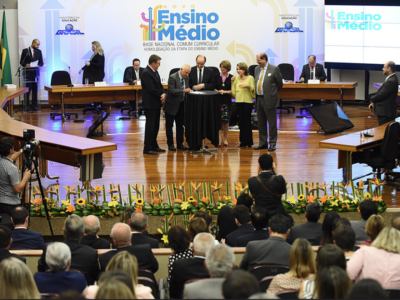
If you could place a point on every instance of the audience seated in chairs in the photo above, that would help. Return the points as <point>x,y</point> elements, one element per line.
<point>332,283</point>
<point>90,238</point>
<point>327,227</point>
<point>367,289</point>
<point>220,260</point>
<point>302,267</point>
<point>121,236</point>
<point>115,285</point>
<point>242,219</point>
<point>259,219</point>
<point>138,223</point>
<point>240,285</point>
<point>380,261</point>
<point>274,250</point>
<point>83,258</point>
<point>226,221</point>
<point>5,244</point>
<point>190,268</point>
<point>374,226</point>
<point>16,280</point>
<point>330,255</point>
<point>345,238</point>
<point>21,236</point>
<point>59,279</point>
<point>311,230</point>
<point>367,209</point>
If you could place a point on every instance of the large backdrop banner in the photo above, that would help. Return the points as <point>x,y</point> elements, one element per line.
<point>234,30</point>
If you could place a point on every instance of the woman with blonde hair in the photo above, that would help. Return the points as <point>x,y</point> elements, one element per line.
<point>373,227</point>
<point>126,215</point>
<point>243,90</point>
<point>94,68</point>
<point>16,280</point>
<point>302,267</point>
<point>380,261</point>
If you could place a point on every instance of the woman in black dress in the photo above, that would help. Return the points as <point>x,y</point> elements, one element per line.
<point>223,87</point>
<point>94,69</point>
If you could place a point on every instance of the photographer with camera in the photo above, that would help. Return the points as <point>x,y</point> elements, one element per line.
<point>10,184</point>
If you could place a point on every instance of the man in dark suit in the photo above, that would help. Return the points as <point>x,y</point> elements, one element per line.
<point>28,56</point>
<point>312,70</point>
<point>268,84</point>
<point>84,258</point>
<point>274,250</point>
<point>242,219</point>
<point>5,244</point>
<point>90,238</point>
<point>201,77</point>
<point>311,230</point>
<point>138,223</point>
<point>174,107</point>
<point>21,236</point>
<point>121,236</point>
<point>383,104</point>
<point>190,268</point>
<point>133,75</point>
<point>153,98</point>
<point>259,219</point>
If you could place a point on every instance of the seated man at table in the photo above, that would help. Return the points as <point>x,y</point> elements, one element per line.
<point>21,236</point>
<point>201,78</point>
<point>313,70</point>
<point>132,75</point>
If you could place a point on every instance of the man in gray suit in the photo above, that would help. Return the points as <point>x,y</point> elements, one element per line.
<point>268,83</point>
<point>174,107</point>
<point>219,262</point>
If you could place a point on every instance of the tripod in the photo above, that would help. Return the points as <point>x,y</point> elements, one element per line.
<point>31,158</point>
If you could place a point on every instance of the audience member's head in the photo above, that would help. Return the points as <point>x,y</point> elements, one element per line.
<point>202,243</point>
<point>20,216</point>
<point>330,255</point>
<point>246,200</point>
<point>178,239</point>
<point>6,144</point>
<point>219,261</point>
<point>263,296</point>
<point>313,212</point>
<point>279,226</point>
<point>240,284</point>
<point>241,214</point>
<point>119,275</point>
<point>367,209</point>
<point>92,225</point>
<point>374,226</point>
<point>73,228</point>
<point>265,161</point>
<point>259,218</point>
<point>388,239</point>
<point>332,283</point>
<point>345,238</point>
<point>327,227</point>
<point>396,221</point>
<point>58,257</point>
<point>340,222</point>
<point>114,289</point>
<point>138,221</point>
<point>367,289</point>
<point>126,215</point>
<point>197,225</point>
<point>16,280</point>
<point>301,259</point>
<point>121,234</point>
<point>71,294</point>
<point>126,262</point>
<point>5,237</point>
<point>205,216</point>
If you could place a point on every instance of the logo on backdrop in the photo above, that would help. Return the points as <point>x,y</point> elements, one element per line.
<point>69,30</point>
<point>69,19</point>
<point>340,20</point>
<point>288,28</point>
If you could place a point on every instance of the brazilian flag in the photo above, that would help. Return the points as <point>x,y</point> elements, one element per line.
<point>5,55</point>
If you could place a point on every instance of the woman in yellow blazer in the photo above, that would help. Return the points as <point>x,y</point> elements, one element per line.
<point>243,90</point>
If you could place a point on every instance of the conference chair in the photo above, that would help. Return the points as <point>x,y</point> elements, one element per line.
<point>146,277</point>
<point>393,293</point>
<point>266,272</point>
<point>174,70</point>
<point>287,71</point>
<point>252,71</point>
<point>215,69</point>
<point>131,108</point>
<point>290,294</point>
<point>61,78</point>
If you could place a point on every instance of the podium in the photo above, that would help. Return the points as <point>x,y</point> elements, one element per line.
<point>30,78</point>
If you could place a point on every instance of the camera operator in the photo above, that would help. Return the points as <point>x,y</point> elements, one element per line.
<point>10,184</point>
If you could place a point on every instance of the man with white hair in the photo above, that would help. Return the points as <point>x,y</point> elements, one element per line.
<point>220,260</point>
<point>138,223</point>
<point>121,236</point>
<point>90,238</point>
<point>191,268</point>
<point>83,258</point>
<point>174,107</point>
<point>60,279</point>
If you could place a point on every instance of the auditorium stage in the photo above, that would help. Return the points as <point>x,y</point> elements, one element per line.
<point>298,156</point>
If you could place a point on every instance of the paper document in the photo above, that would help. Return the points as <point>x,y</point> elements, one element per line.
<point>34,64</point>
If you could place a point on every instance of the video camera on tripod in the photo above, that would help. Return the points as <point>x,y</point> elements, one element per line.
<point>30,147</point>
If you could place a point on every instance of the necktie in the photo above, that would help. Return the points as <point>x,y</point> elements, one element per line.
<point>312,72</point>
<point>183,87</point>
<point>200,79</point>
<point>259,82</point>
<point>33,54</point>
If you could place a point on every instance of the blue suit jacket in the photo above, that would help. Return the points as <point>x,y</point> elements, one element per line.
<point>26,239</point>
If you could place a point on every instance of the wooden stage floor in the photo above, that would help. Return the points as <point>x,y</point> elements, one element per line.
<point>298,155</point>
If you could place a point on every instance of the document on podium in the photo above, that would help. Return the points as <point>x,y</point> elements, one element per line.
<point>34,64</point>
